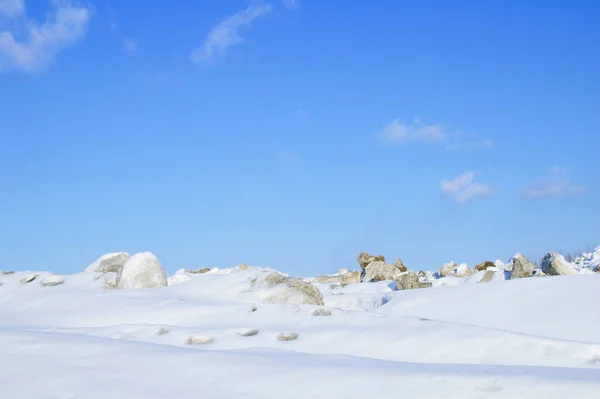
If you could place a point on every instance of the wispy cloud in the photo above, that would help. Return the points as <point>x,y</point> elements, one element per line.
<point>402,133</point>
<point>12,8</point>
<point>30,46</point>
<point>556,184</point>
<point>291,4</point>
<point>464,188</point>
<point>130,45</point>
<point>226,35</point>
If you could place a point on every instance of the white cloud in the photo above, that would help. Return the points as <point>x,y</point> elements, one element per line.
<point>403,133</point>
<point>398,132</point>
<point>129,45</point>
<point>225,34</point>
<point>291,4</point>
<point>12,8</point>
<point>31,46</point>
<point>557,184</point>
<point>464,188</point>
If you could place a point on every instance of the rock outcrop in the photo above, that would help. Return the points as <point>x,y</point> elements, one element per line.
<point>109,263</point>
<point>28,279</point>
<point>380,271</point>
<point>409,281</point>
<point>554,264</point>
<point>204,270</point>
<point>364,259</point>
<point>400,266</point>
<point>282,289</point>
<point>484,266</point>
<point>346,278</point>
<point>142,270</point>
<point>521,267</point>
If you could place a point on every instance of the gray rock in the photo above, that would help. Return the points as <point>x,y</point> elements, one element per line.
<point>364,259</point>
<point>409,281</point>
<point>6,272</point>
<point>109,263</point>
<point>162,331</point>
<point>110,281</point>
<point>521,267</point>
<point>554,264</point>
<point>380,271</point>
<point>346,278</point>
<point>321,312</point>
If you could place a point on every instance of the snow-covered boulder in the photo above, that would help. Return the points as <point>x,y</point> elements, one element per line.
<point>109,263</point>
<point>52,280</point>
<point>454,269</point>
<point>28,278</point>
<point>142,270</point>
<point>520,267</point>
<point>491,274</point>
<point>409,281</point>
<point>279,289</point>
<point>110,281</point>
<point>554,264</point>
<point>364,259</point>
<point>380,271</point>
<point>204,270</point>
<point>588,261</point>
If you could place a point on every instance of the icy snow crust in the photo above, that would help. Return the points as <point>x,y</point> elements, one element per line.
<point>525,338</point>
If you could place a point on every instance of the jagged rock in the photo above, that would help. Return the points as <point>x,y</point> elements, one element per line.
<point>328,279</point>
<point>488,276</point>
<point>28,279</point>
<point>380,271</point>
<point>200,340</point>
<point>521,267</point>
<point>204,270</point>
<point>243,267</point>
<point>364,259</point>
<point>554,264</point>
<point>400,266</point>
<point>351,277</point>
<point>484,265</point>
<point>321,312</point>
<point>454,269</point>
<point>109,263</point>
<point>409,281</point>
<point>447,269</point>
<point>292,290</point>
<point>288,336</point>
<point>142,270</point>
<point>52,281</point>
<point>421,273</point>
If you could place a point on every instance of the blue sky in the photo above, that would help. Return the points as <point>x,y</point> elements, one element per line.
<point>296,134</point>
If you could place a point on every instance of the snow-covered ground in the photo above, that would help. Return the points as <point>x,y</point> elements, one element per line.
<point>524,338</point>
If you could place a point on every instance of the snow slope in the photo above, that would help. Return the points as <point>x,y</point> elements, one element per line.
<point>526,338</point>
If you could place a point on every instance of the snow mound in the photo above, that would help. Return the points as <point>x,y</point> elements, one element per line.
<point>142,270</point>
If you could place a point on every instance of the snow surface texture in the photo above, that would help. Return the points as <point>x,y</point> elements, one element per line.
<point>219,335</point>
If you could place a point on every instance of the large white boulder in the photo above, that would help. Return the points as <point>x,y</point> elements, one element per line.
<point>109,263</point>
<point>142,270</point>
<point>279,289</point>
